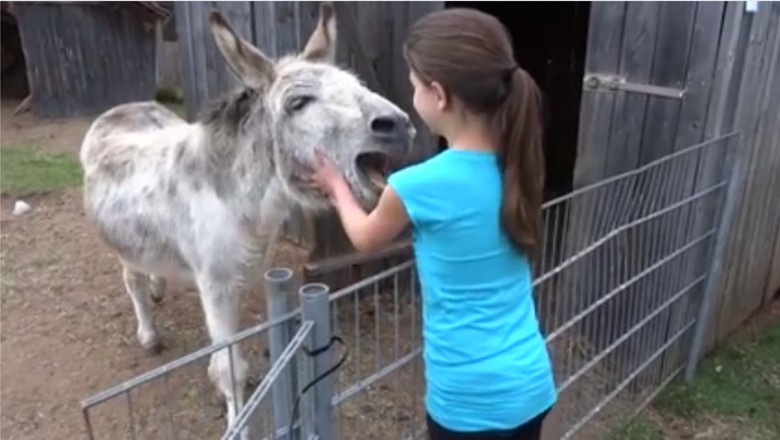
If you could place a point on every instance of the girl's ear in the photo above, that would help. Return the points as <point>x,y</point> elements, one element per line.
<point>442,100</point>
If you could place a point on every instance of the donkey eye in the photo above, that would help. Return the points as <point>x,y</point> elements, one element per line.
<point>299,102</point>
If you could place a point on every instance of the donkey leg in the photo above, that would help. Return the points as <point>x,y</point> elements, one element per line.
<point>158,286</point>
<point>137,285</point>
<point>220,307</point>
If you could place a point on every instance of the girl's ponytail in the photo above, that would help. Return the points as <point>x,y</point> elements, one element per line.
<point>518,123</point>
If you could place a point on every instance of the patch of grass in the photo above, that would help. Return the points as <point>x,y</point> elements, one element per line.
<point>169,94</point>
<point>24,171</point>
<point>173,98</point>
<point>740,383</point>
<point>637,429</point>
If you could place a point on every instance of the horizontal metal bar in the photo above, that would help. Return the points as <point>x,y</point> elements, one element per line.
<point>573,430</point>
<point>239,424</point>
<point>622,228</point>
<point>371,280</point>
<point>578,317</point>
<point>368,381</point>
<point>638,170</point>
<point>609,83</point>
<point>612,347</point>
<point>185,360</point>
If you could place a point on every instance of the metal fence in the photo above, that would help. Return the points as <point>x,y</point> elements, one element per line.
<point>619,291</point>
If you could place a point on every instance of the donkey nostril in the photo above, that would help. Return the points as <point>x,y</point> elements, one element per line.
<point>383,125</point>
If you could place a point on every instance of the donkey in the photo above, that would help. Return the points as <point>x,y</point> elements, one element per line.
<point>203,202</point>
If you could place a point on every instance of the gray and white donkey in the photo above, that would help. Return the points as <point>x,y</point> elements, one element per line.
<point>203,202</point>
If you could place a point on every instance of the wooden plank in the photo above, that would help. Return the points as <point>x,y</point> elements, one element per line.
<point>263,29</point>
<point>197,25</point>
<point>75,70</point>
<point>761,200</point>
<point>672,49</point>
<point>746,113</point>
<point>239,15</point>
<point>720,117</point>
<point>601,211</point>
<point>328,265</point>
<point>359,61</point>
<point>603,48</point>
<point>773,276</point>
<point>605,34</point>
<point>286,27</point>
<point>184,30</point>
<point>691,222</point>
<point>745,266</point>
<point>653,240</point>
<point>636,62</point>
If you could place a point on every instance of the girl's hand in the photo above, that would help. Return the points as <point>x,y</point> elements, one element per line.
<point>326,176</point>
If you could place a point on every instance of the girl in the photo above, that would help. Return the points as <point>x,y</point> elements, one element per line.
<point>475,211</point>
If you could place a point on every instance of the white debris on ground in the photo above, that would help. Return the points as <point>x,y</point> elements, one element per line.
<point>21,208</point>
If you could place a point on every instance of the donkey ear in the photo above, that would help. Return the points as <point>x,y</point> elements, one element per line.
<point>246,61</point>
<point>322,43</point>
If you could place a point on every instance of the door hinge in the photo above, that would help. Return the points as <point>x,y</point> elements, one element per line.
<point>614,83</point>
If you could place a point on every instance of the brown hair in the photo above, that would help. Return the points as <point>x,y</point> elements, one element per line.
<point>470,54</point>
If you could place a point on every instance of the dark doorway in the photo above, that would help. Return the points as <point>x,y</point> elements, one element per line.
<point>550,39</point>
<point>14,68</point>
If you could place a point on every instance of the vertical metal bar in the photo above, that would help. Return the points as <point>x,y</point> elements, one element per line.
<point>315,306</point>
<point>413,294</point>
<point>727,211</point>
<point>277,294</point>
<point>130,414</point>
<point>377,314</point>
<point>358,351</point>
<point>168,398</point>
<point>88,423</point>
<point>396,317</point>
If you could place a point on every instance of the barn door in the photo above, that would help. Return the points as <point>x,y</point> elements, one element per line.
<point>646,93</point>
<point>648,74</point>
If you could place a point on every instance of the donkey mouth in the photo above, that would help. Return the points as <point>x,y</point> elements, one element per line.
<point>375,167</point>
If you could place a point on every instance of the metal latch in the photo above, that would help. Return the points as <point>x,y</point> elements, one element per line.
<point>614,83</point>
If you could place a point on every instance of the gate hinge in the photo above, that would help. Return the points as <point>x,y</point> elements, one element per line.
<point>615,83</point>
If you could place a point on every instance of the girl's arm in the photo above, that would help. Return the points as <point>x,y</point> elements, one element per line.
<point>367,232</point>
<point>376,229</point>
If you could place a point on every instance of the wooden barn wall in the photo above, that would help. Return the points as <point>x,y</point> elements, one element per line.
<point>84,58</point>
<point>751,267</point>
<point>284,26</point>
<point>726,61</point>
<point>673,45</point>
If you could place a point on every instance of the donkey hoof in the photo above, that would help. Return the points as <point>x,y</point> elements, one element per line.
<point>156,297</point>
<point>150,343</point>
<point>154,348</point>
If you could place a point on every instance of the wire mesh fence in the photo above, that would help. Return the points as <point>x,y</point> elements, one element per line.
<point>619,287</point>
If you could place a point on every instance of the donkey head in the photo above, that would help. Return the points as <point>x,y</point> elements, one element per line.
<point>305,102</point>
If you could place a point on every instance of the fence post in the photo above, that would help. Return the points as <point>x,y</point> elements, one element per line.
<point>315,306</point>
<point>277,294</point>
<point>727,211</point>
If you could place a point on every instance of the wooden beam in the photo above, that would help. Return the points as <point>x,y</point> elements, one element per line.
<point>332,264</point>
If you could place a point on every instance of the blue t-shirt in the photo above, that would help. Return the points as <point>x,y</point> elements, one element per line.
<point>486,362</point>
